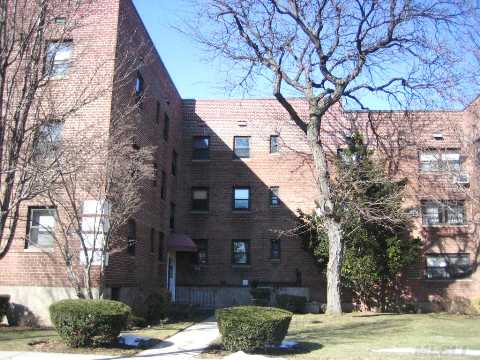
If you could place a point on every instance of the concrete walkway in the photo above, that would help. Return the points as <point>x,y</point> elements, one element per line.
<point>187,344</point>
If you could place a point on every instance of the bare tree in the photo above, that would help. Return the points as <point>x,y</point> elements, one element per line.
<point>94,201</point>
<point>31,34</point>
<point>333,50</point>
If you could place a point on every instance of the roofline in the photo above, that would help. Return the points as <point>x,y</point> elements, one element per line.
<point>446,111</point>
<point>155,48</point>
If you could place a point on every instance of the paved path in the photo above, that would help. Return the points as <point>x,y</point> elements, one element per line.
<point>187,344</point>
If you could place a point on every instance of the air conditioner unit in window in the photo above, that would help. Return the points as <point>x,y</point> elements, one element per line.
<point>463,179</point>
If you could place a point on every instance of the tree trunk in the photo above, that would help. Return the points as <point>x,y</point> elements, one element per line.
<point>334,268</point>
<point>326,210</point>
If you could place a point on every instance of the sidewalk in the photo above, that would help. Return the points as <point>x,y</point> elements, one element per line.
<point>187,344</point>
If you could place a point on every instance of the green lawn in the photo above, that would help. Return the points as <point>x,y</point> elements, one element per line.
<point>353,336</point>
<point>46,340</point>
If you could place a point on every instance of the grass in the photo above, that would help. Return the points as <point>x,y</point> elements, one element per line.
<point>46,340</point>
<point>353,336</point>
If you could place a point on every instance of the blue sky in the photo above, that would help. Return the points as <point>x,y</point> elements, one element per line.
<point>184,59</point>
<point>194,74</point>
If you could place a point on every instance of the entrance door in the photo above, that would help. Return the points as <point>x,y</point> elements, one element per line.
<point>172,270</point>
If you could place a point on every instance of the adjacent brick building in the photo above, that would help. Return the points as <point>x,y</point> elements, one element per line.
<point>231,176</point>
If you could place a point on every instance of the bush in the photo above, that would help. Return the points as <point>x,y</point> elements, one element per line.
<point>136,322</point>
<point>157,305</point>
<point>82,323</point>
<point>251,328</point>
<point>260,296</point>
<point>4,305</point>
<point>293,303</point>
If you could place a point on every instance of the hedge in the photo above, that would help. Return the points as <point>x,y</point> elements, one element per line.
<point>157,305</point>
<point>82,323</point>
<point>252,328</point>
<point>293,303</point>
<point>4,305</point>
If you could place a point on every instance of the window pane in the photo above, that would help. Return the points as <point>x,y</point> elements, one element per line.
<point>42,225</point>
<point>241,198</point>
<point>242,193</point>
<point>275,249</point>
<point>200,194</point>
<point>274,144</point>
<point>242,142</point>
<point>201,147</point>
<point>274,200</point>
<point>201,143</point>
<point>240,252</point>
<point>58,58</point>
<point>448,266</point>
<point>431,213</point>
<point>455,213</point>
<point>242,146</point>
<point>440,160</point>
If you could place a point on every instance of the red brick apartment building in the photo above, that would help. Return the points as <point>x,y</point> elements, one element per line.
<point>232,175</point>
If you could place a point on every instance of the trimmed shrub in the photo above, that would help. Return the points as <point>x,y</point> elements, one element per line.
<point>157,305</point>
<point>82,323</point>
<point>4,305</point>
<point>260,296</point>
<point>252,328</point>
<point>293,303</point>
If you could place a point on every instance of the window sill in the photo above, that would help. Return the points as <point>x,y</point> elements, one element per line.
<point>199,212</point>
<point>242,160</point>
<point>275,261</point>
<point>240,266</point>
<point>444,226</point>
<point>57,77</point>
<point>449,280</point>
<point>200,160</point>
<point>34,249</point>
<point>275,153</point>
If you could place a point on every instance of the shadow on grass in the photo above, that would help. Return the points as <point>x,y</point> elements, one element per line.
<point>303,347</point>
<point>347,332</point>
<point>14,334</point>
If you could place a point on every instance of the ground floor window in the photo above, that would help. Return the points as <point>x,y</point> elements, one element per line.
<point>41,224</point>
<point>240,252</point>
<point>448,266</point>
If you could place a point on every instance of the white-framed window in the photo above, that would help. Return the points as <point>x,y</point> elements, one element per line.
<point>444,212</point>
<point>41,226</point>
<point>438,160</point>
<point>59,58</point>
<point>448,266</point>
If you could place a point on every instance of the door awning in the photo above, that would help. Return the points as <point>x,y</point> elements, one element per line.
<point>181,242</point>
